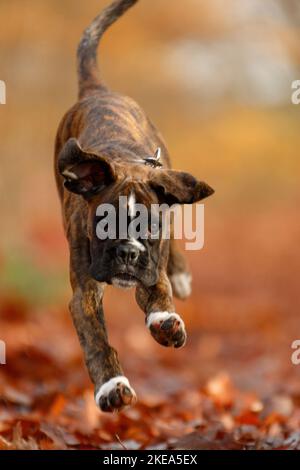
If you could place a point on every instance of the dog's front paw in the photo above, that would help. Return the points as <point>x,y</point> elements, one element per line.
<point>181,285</point>
<point>167,329</point>
<point>115,395</point>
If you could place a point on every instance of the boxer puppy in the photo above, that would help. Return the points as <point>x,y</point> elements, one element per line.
<point>106,148</point>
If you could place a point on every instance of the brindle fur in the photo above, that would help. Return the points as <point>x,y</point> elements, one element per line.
<point>105,128</point>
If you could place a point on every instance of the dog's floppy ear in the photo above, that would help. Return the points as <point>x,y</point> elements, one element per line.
<point>85,173</point>
<point>176,187</point>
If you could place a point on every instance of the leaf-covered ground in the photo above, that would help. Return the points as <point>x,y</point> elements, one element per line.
<point>225,390</point>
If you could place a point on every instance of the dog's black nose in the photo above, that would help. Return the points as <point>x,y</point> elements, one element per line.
<point>128,254</point>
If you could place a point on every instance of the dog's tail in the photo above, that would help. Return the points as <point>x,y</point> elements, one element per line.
<point>87,49</point>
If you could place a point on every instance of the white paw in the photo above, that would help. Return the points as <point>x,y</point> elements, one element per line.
<point>167,328</point>
<point>115,394</point>
<point>159,317</point>
<point>181,285</point>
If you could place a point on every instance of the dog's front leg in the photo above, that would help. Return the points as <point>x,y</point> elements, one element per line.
<point>166,326</point>
<point>112,389</point>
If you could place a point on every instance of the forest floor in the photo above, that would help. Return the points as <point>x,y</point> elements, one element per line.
<point>224,390</point>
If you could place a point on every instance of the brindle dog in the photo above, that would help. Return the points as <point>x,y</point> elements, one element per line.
<point>106,147</point>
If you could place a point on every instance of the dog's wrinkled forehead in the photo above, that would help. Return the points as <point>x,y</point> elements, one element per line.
<point>128,194</point>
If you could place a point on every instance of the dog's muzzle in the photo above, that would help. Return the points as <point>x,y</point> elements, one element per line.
<point>127,255</point>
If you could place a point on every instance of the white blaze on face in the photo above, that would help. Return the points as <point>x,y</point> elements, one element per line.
<point>132,214</point>
<point>131,205</point>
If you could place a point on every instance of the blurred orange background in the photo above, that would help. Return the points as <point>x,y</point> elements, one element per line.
<point>215,77</point>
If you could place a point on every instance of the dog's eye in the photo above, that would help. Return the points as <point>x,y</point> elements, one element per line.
<point>154,228</point>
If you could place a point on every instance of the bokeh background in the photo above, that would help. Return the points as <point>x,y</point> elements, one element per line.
<point>215,77</point>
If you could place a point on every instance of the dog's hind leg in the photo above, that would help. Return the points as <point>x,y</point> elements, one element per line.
<point>112,389</point>
<point>179,273</point>
<point>166,326</point>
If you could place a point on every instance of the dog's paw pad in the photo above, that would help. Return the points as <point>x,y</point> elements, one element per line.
<point>167,329</point>
<point>181,285</point>
<point>115,394</point>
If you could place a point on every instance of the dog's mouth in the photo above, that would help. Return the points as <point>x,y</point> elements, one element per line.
<point>124,280</point>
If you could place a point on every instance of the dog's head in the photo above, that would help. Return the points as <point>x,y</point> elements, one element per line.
<point>114,191</point>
